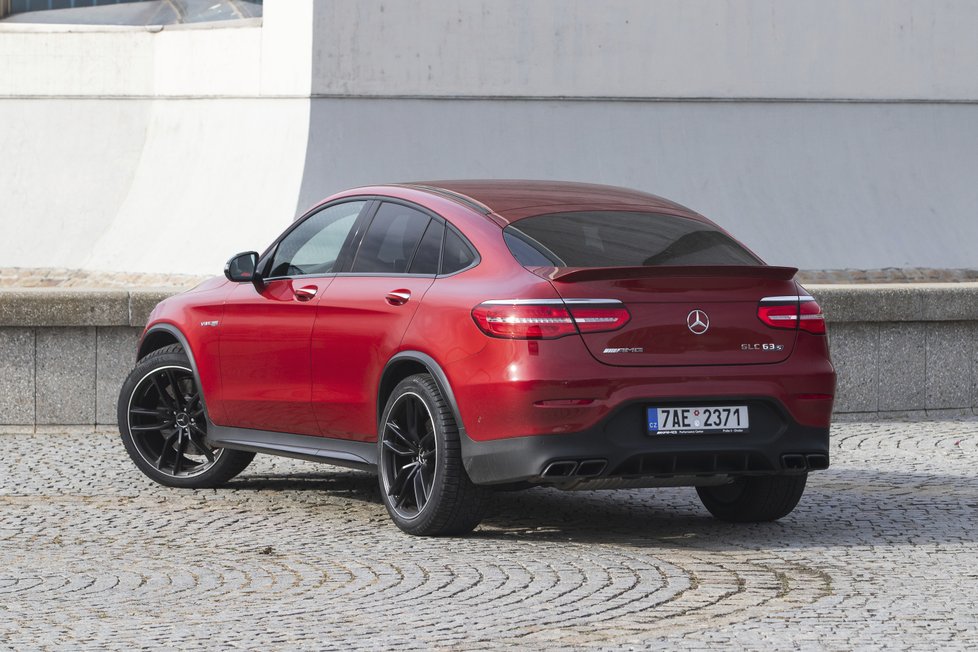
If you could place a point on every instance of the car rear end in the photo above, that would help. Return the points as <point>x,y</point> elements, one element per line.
<point>663,352</point>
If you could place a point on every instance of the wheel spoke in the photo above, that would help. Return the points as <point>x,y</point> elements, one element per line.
<point>404,474</point>
<point>427,442</point>
<point>166,446</point>
<point>420,490</point>
<point>404,452</point>
<point>147,412</point>
<point>151,426</point>
<point>397,432</point>
<point>411,419</point>
<point>181,447</point>
<point>164,395</point>
<point>202,449</point>
<point>176,389</point>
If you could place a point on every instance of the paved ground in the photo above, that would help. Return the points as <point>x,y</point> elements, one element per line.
<point>882,553</point>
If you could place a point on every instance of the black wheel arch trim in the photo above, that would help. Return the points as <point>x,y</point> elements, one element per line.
<point>181,339</point>
<point>445,387</point>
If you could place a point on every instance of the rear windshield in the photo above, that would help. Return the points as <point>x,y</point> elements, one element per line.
<point>620,239</point>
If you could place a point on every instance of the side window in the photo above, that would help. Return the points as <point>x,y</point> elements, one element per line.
<point>458,255</point>
<point>429,253</point>
<point>391,240</point>
<point>313,246</point>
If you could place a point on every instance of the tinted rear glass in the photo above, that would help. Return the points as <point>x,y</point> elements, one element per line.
<point>391,240</point>
<point>621,239</point>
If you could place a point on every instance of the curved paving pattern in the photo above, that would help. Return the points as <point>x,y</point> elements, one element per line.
<point>882,551</point>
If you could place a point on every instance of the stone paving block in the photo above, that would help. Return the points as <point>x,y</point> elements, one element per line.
<point>16,376</point>
<point>66,375</point>
<point>949,365</point>
<point>902,367</point>
<point>856,354</point>
<point>115,357</point>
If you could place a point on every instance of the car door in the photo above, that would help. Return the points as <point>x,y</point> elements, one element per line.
<point>266,329</point>
<point>363,315</point>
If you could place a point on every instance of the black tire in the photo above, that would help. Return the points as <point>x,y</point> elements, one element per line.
<point>164,428</point>
<point>422,481</point>
<point>754,499</point>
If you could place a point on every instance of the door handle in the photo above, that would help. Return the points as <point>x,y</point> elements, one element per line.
<point>306,293</point>
<point>398,297</point>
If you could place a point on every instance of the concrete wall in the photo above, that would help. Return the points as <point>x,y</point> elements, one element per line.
<point>718,49</point>
<point>899,350</point>
<point>812,185</point>
<point>150,149</point>
<point>825,133</point>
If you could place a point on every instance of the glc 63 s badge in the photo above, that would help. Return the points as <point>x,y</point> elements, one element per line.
<point>767,346</point>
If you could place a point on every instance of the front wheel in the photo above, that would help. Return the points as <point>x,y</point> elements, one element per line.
<point>754,499</point>
<point>423,483</point>
<point>163,427</point>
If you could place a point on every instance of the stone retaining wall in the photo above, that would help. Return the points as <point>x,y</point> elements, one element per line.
<point>900,350</point>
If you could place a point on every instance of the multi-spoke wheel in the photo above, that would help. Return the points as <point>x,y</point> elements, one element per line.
<point>422,480</point>
<point>162,423</point>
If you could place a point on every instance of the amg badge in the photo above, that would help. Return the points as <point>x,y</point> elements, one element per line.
<point>636,349</point>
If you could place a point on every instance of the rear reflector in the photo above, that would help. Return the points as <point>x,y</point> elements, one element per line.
<point>791,313</point>
<point>521,319</point>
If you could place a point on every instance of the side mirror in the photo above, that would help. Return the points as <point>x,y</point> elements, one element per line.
<point>241,267</point>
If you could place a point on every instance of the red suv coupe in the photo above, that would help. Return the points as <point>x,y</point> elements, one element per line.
<point>463,336</point>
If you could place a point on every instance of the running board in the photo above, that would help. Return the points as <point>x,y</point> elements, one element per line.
<point>340,452</point>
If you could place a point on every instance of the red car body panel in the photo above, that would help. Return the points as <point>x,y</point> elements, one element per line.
<point>358,329</point>
<point>314,367</point>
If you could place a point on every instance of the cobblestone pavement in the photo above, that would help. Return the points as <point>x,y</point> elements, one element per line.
<point>881,553</point>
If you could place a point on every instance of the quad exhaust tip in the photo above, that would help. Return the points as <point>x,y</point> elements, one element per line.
<point>810,462</point>
<point>573,468</point>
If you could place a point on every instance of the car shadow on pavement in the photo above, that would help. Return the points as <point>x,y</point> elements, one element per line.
<point>849,507</point>
<point>357,485</point>
<point>845,507</point>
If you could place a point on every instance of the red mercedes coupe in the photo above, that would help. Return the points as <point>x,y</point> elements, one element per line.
<point>460,337</point>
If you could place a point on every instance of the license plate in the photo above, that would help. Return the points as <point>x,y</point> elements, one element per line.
<point>696,420</point>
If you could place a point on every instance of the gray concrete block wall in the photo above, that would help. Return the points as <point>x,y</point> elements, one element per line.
<point>115,357</point>
<point>16,376</point>
<point>63,375</point>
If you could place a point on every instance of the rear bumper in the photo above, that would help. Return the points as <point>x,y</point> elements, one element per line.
<point>618,447</point>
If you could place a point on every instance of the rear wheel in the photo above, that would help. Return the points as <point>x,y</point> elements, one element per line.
<point>423,483</point>
<point>163,427</point>
<point>754,499</point>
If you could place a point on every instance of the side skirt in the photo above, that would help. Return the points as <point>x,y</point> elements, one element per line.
<point>339,452</point>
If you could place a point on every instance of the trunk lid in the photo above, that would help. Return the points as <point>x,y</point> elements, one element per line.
<point>683,316</point>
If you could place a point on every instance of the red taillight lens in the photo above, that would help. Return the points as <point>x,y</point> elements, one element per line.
<point>791,313</point>
<point>810,317</point>
<point>520,320</point>
<point>596,320</point>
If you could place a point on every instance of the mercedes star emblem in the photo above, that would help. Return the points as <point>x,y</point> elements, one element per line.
<point>698,322</point>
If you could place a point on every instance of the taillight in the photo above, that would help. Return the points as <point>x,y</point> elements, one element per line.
<point>791,313</point>
<point>548,319</point>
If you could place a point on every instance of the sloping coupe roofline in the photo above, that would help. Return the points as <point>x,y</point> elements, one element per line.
<point>508,200</point>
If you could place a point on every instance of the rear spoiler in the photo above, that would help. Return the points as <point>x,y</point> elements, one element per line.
<point>576,274</point>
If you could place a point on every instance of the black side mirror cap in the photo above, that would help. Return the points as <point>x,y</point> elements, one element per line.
<point>241,267</point>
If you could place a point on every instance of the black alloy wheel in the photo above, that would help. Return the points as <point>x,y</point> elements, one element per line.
<point>422,480</point>
<point>409,454</point>
<point>167,424</point>
<point>164,426</point>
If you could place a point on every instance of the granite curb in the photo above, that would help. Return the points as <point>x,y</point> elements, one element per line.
<point>889,302</point>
